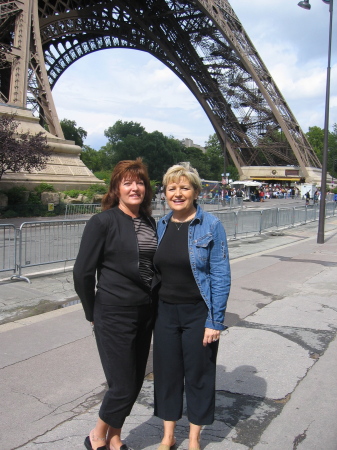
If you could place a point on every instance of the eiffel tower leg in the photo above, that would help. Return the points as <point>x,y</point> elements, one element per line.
<point>64,170</point>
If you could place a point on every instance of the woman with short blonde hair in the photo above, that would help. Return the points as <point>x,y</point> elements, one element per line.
<point>193,264</point>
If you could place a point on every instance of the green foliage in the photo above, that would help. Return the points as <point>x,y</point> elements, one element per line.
<point>96,189</point>
<point>129,140</point>
<point>72,132</point>
<point>216,162</point>
<point>34,198</point>
<point>121,130</point>
<point>16,195</point>
<point>72,193</point>
<point>92,158</point>
<point>315,137</point>
<point>103,175</point>
<point>44,187</point>
<point>89,193</point>
<point>9,214</point>
<point>31,210</point>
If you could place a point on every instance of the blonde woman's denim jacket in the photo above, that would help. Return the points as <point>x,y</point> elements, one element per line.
<point>208,253</point>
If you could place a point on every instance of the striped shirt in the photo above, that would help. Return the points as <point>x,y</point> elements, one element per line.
<point>147,244</point>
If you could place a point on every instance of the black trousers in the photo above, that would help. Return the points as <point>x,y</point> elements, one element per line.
<point>123,335</point>
<point>178,356</point>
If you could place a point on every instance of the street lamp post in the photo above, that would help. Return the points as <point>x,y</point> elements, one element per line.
<point>321,219</point>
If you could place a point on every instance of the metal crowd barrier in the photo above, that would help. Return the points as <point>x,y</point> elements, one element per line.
<point>7,248</point>
<point>48,242</point>
<point>76,211</point>
<point>253,222</point>
<point>57,241</point>
<point>231,202</point>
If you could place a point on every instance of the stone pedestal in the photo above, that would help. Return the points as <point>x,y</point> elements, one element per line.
<point>64,169</point>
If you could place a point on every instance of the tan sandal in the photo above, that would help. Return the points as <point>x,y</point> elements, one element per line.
<point>166,447</point>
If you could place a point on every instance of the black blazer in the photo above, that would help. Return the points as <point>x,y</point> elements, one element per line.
<point>109,250</point>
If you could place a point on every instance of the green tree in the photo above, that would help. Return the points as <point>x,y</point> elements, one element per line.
<point>158,151</point>
<point>72,132</point>
<point>215,156</point>
<point>91,158</point>
<point>121,130</point>
<point>198,160</point>
<point>315,137</point>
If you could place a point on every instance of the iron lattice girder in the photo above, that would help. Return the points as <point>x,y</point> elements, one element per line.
<point>165,39</point>
<point>205,45</point>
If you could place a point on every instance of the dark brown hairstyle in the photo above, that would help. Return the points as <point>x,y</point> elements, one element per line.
<point>133,170</point>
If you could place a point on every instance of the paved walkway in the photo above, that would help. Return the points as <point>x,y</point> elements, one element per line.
<point>277,371</point>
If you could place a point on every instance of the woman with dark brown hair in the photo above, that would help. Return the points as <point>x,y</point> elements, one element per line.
<point>116,251</point>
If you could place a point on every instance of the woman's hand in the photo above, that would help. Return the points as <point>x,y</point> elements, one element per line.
<point>210,336</point>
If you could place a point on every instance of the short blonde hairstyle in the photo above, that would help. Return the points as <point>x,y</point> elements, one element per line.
<point>183,169</point>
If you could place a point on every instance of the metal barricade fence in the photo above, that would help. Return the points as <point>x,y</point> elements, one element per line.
<point>330,209</point>
<point>7,248</point>
<point>285,217</point>
<point>248,222</point>
<point>217,202</point>
<point>312,212</point>
<point>76,211</point>
<point>300,214</point>
<point>58,241</point>
<point>229,221</point>
<point>48,242</point>
<point>269,219</point>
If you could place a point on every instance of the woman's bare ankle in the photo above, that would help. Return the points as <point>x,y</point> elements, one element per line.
<point>96,440</point>
<point>169,440</point>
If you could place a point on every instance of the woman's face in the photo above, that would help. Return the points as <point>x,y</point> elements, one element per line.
<point>180,195</point>
<point>131,193</point>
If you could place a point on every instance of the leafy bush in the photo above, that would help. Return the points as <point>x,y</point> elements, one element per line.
<point>103,175</point>
<point>73,193</point>
<point>16,195</point>
<point>34,198</point>
<point>89,193</point>
<point>31,210</point>
<point>96,189</point>
<point>44,187</point>
<point>9,214</point>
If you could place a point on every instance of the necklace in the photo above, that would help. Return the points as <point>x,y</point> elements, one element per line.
<point>179,223</point>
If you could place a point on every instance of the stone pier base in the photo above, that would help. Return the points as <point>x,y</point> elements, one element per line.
<point>64,170</point>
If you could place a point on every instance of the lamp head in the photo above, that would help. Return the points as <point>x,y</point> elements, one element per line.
<point>304,4</point>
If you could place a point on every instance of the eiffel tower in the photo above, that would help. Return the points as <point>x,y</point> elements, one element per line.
<point>201,41</point>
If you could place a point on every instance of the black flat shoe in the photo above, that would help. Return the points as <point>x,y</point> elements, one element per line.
<point>88,445</point>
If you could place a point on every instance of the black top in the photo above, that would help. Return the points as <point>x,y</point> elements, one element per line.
<point>109,249</point>
<point>147,244</point>
<point>172,261</point>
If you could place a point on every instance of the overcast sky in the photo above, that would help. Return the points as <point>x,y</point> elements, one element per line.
<point>130,85</point>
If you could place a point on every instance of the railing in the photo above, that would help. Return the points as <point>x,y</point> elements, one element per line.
<point>48,242</point>
<point>231,202</point>
<point>77,211</point>
<point>58,241</point>
<point>252,222</point>
<point>7,248</point>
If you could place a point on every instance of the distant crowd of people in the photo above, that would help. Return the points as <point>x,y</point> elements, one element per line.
<point>258,194</point>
